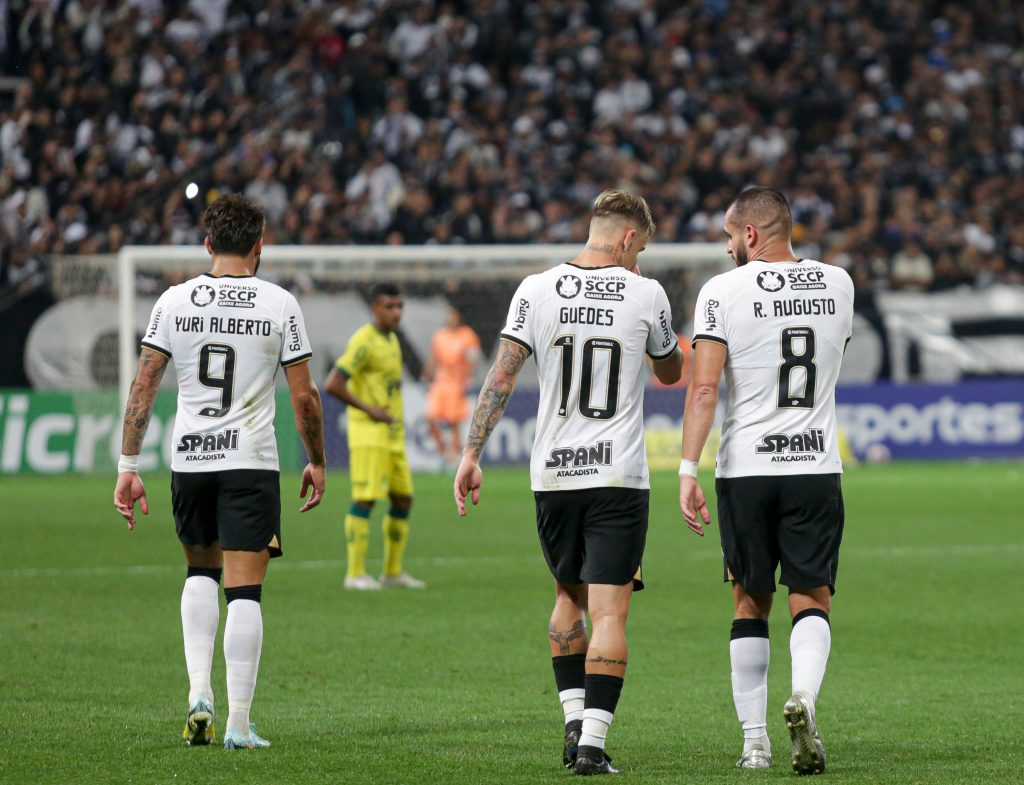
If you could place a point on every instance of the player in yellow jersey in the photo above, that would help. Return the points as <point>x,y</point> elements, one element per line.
<point>368,379</point>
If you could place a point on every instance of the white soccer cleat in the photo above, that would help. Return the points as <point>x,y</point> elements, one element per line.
<point>233,740</point>
<point>403,579</point>
<point>755,758</point>
<point>808,751</point>
<point>361,583</point>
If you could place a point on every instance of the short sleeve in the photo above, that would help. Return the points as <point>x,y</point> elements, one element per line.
<point>354,357</point>
<point>662,341</point>
<point>158,337</point>
<point>295,347</point>
<point>519,324</point>
<point>709,315</point>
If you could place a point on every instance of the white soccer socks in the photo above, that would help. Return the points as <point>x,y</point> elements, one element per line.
<point>809,646</point>
<point>749,653</point>
<point>200,615</point>
<point>243,641</point>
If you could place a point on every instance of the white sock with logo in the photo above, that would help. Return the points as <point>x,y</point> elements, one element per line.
<point>200,615</point>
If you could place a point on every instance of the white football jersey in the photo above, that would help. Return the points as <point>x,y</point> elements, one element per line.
<point>589,329</point>
<point>227,336</point>
<point>785,326</point>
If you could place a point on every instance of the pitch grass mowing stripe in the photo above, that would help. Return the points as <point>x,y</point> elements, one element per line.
<point>870,552</point>
<point>453,685</point>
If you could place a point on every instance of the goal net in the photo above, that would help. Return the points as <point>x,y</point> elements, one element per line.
<point>90,339</point>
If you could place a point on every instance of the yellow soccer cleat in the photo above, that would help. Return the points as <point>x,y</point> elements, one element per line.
<point>199,725</point>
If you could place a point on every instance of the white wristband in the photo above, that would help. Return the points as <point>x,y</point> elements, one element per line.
<point>128,463</point>
<point>688,468</point>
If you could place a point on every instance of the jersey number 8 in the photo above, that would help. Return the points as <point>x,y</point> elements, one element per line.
<point>793,394</point>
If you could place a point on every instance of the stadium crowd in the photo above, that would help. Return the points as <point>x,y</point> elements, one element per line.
<point>894,127</point>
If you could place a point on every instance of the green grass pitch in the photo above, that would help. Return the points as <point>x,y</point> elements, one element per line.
<point>454,684</point>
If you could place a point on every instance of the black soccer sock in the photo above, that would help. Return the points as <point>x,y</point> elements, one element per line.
<point>602,697</point>
<point>570,679</point>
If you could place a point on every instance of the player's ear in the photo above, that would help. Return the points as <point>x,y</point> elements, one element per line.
<point>209,248</point>
<point>627,240</point>
<point>751,235</point>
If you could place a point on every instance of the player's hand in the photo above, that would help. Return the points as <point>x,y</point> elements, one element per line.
<point>693,504</point>
<point>312,477</point>
<point>468,480</point>
<point>380,414</point>
<point>129,489</point>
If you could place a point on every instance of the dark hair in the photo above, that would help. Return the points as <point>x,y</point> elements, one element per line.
<point>233,224</point>
<point>765,208</point>
<point>384,290</point>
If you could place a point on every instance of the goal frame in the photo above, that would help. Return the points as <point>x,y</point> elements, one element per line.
<point>377,257</point>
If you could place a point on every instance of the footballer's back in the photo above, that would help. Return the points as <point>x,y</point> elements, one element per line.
<point>589,330</point>
<point>785,326</point>
<point>227,336</point>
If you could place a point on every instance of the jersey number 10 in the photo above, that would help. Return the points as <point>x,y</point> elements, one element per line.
<point>585,404</point>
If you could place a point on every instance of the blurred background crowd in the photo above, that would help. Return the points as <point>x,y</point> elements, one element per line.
<point>894,127</point>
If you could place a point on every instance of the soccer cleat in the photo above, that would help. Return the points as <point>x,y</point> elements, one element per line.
<point>808,751</point>
<point>573,731</point>
<point>591,760</point>
<point>199,725</point>
<point>755,758</point>
<point>233,740</point>
<point>403,579</point>
<point>361,583</point>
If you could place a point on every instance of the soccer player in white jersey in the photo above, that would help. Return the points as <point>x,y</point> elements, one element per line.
<point>227,332</point>
<point>777,326</point>
<point>589,324</point>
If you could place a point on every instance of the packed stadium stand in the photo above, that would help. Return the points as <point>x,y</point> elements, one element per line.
<point>894,127</point>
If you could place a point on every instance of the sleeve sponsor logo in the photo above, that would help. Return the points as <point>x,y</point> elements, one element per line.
<point>710,315</point>
<point>568,286</point>
<point>786,448</point>
<point>579,461</point>
<point>521,310</point>
<point>294,338</point>
<point>770,281</point>
<point>157,314</point>
<point>208,446</point>
<point>203,295</point>
<point>667,336</point>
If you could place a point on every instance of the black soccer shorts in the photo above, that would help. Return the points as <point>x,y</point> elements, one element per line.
<point>240,508</point>
<point>594,535</point>
<point>793,520</point>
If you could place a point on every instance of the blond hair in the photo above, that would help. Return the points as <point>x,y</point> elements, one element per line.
<point>622,205</point>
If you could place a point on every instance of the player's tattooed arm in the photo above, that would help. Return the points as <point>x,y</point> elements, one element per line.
<point>497,389</point>
<point>564,638</point>
<point>308,410</point>
<point>140,400</point>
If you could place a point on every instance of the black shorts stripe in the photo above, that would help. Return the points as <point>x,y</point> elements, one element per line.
<point>666,355</point>
<point>517,341</point>
<point>715,338</point>
<point>157,349</point>
<point>296,360</point>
